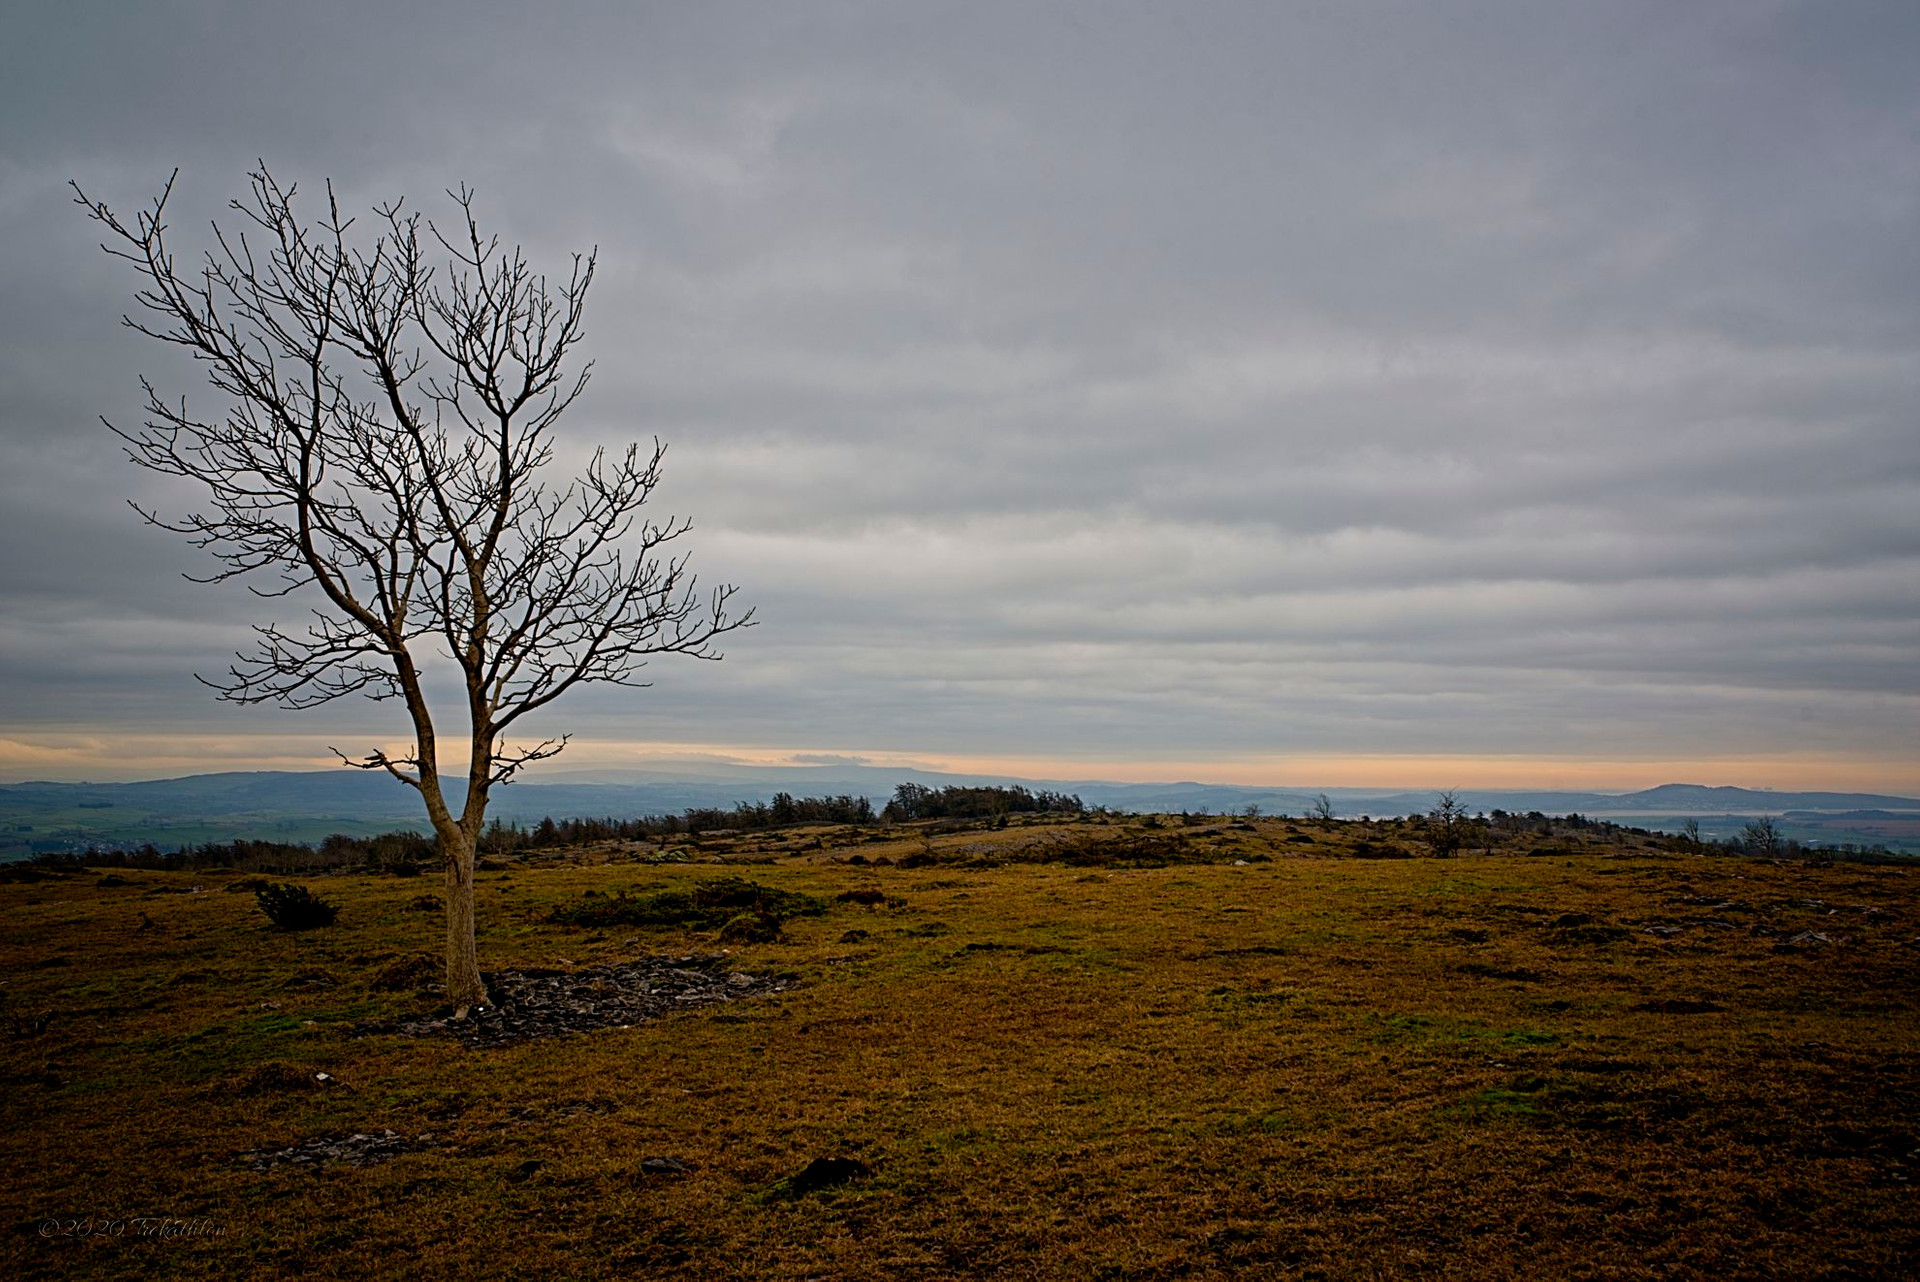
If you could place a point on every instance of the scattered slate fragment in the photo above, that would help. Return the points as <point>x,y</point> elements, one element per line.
<point>663,1166</point>
<point>1806,939</point>
<point>358,1149</point>
<point>549,1003</point>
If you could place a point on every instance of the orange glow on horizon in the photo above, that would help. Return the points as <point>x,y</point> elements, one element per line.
<point>1412,773</point>
<point>73,755</point>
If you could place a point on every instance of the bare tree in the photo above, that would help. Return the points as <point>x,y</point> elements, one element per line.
<point>382,455</point>
<point>1762,836</point>
<point>1448,824</point>
<point>1322,808</point>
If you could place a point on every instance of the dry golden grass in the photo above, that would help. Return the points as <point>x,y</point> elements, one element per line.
<point>1315,1065</point>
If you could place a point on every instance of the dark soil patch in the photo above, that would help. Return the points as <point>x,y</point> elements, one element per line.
<point>274,1078</point>
<point>408,972</point>
<point>1676,1006</point>
<point>1578,928</point>
<point>1519,974</point>
<point>819,1175</point>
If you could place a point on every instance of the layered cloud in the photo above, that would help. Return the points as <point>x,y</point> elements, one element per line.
<point>1191,383</point>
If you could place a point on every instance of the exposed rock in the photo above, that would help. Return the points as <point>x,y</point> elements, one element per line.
<point>548,1003</point>
<point>663,1166</point>
<point>358,1149</point>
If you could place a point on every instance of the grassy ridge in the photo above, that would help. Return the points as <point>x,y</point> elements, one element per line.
<point>1341,1066</point>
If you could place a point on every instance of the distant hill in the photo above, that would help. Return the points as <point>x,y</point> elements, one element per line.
<point>307,805</point>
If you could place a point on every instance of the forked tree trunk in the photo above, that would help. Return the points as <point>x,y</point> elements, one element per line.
<point>465,989</point>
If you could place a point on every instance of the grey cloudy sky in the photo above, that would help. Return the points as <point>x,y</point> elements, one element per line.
<point>1379,393</point>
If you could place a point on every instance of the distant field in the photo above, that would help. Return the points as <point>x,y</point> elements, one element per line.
<point>1897,833</point>
<point>1608,1057</point>
<point>60,833</point>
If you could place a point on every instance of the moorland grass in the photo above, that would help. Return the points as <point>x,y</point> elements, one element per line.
<point>1155,1064</point>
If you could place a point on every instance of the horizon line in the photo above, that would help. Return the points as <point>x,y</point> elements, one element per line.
<point>1380,789</point>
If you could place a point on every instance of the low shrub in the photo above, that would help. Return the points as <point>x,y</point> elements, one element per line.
<point>291,907</point>
<point>1128,850</point>
<point>751,928</point>
<point>706,906</point>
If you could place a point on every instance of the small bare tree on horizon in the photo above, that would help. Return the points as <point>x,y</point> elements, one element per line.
<point>383,455</point>
<point>1448,824</point>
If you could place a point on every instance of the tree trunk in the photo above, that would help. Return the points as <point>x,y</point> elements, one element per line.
<point>464,986</point>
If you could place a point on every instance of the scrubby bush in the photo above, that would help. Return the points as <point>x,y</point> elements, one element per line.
<point>704,907</point>
<point>291,907</point>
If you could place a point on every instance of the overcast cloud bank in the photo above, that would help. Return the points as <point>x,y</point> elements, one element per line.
<point>1111,386</point>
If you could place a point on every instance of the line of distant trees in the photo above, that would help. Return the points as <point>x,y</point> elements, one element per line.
<point>916,801</point>
<point>784,811</point>
<point>407,851</point>
<point>391,851</point>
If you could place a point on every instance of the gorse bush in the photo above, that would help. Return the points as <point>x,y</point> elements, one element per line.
<point>295,907</point>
